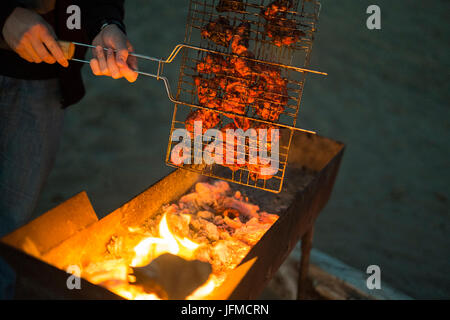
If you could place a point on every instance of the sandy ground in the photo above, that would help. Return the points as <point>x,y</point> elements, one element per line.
<point>386,97</point>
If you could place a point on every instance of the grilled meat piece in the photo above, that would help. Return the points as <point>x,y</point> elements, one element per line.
<point>233,165</point>
<point>279,27</point>
<point>241,87</point>
<point>256,171</point>
<point>219,31</point>
<point>277,7</point>
<point>241,123</point>
<point>222,33</point>
<point>208,118</point>
<point>230,5</point>
<point>269,111</point>
<point>239,42</point>
<point>273,94</point>
<point>206,89</point>
<point>237,96</point>
<point>263,170</point>
<point>283,32</point>
<point>214,64</point>
<point>242,66</point>
<point>233,102</point>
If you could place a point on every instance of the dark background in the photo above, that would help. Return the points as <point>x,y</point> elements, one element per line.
<point>386,97</point>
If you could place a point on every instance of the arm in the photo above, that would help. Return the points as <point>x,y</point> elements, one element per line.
<point>6,8</point>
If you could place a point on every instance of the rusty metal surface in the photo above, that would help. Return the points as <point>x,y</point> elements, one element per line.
<point>276,245</point>
<point>304,264</point>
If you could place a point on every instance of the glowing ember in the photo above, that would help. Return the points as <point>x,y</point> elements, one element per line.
<point>210,224</point>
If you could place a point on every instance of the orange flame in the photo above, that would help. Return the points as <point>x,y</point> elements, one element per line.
<point>114,273</point>
<point>150,248</point>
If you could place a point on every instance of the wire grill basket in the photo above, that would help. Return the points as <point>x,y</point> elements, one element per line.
<point>201,91</point>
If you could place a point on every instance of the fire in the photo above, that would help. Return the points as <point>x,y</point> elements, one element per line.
<point>147,250</point>
<point>152,247</point>
<point>133,293</point>
<point>222,239</point>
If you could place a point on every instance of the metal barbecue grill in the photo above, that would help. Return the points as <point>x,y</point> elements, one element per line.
<point>265,56</point>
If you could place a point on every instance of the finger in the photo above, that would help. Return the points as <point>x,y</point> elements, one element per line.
<point>121,46</point>
<point>100,54</point>
<point>122,57</point>
<point>55,49</point>
<point>129,70</point>
<point>112,65</point>
<point>129,74</point>
<point>30,51</point>
<point>95,67</point>
<point>22,53</point>
<point>42,51</point>
<point>27,57</point>
<point>133,62</point>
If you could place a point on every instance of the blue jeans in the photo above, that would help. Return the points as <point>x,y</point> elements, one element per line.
<point>31,120</point>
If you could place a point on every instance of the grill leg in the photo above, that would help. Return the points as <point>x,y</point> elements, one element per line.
<point>304,263</point>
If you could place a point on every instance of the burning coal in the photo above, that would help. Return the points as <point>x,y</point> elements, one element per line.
<point>207,233</point>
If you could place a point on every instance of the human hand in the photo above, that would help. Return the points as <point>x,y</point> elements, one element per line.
<point>32,38</point>
<point>117,62</point>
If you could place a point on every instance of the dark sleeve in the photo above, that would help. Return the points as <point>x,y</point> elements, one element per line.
<point>97,12</point>
<point>6,8</point>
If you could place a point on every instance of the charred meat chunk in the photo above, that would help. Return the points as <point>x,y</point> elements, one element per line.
<point>264,170</point>
<point>269,111</point>
<point>233,102</point>
<point>242,65</point>
<point>239,42</point>
<point>232,163</point>
<point>284,32</point>
<point>219,31</point>
<point>209,119</point>
<point>277,7</point>
<point>273,94</point>
<point>206,89</point>
<point>241,123</point>
<point>214,64</point>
